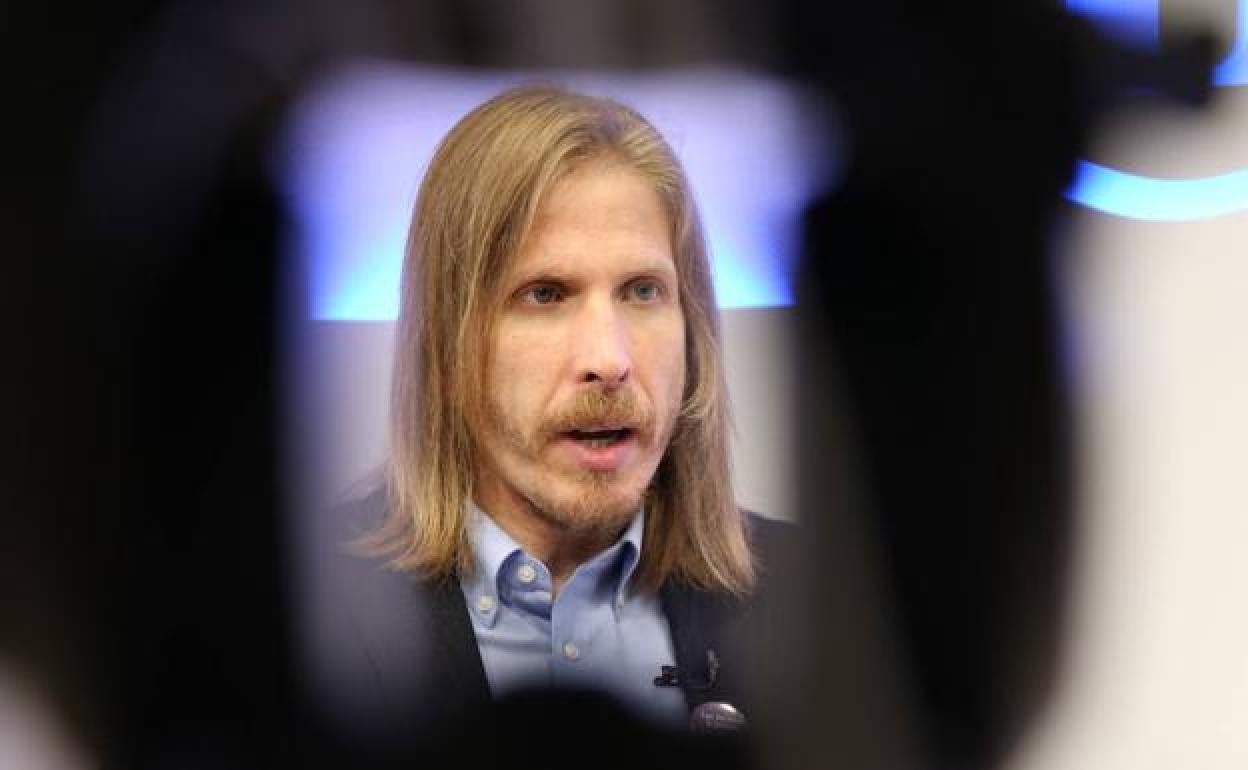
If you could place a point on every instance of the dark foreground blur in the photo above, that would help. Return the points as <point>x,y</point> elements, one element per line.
<point>145,582</point>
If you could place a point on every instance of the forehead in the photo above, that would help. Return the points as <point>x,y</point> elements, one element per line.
<point>602,214</point>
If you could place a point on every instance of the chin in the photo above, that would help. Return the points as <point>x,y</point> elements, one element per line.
<point>592,504</point>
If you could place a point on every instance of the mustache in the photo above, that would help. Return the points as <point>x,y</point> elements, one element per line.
<point>620,408</point>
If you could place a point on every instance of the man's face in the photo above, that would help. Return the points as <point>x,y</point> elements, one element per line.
<point>586,365</point>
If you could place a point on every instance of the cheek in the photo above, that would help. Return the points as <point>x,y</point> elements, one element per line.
<point>519,371</point>
<point>669,362</point>
<point>682,358</point>
<point>675,367</point>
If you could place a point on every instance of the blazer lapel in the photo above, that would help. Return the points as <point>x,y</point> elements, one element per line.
<point>702,635</point>
<point>459,672</point>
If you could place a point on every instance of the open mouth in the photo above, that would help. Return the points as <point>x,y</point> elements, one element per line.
<point>600,439</point>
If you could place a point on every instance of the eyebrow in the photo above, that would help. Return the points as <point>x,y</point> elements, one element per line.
<point>539,273</point>
<point>548,272</point>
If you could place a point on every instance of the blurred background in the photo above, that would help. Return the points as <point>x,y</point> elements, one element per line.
<point>981,271</point>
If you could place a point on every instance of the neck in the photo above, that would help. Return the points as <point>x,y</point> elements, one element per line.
<point>561,548</point>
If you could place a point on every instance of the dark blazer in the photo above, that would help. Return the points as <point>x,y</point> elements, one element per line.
<point>405,659</point>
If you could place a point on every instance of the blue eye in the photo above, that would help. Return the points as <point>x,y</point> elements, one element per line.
<point>646,291</point>
<point>542,294</point>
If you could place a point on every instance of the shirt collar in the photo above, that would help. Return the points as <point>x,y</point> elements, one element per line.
<point>630,544</point>
<point>492,547</point>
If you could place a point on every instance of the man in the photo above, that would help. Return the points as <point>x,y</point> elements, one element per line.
<point>558,510</point>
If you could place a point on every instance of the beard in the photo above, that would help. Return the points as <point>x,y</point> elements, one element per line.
<point>579,501</point>
<point>598,510</point>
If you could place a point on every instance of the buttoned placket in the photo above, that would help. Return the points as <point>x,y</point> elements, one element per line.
<point>512,587</point>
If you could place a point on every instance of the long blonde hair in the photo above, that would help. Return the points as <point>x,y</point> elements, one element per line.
<point>478,199</point>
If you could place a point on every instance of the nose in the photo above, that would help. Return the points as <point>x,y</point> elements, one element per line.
<point>602,345</point>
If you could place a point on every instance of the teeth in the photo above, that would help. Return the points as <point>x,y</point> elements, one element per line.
<point>598,439</point>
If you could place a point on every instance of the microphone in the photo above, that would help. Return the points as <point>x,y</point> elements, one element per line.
<point>670,676</point>
<point>711,716</point>
<point>716,716</point>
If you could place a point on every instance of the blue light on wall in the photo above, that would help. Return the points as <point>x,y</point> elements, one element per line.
<point>1139,22</point>
<point>1233,70</point>
<point>1166,200</point>
<point>357,149</point>
<point>1143,197</point>
<point>1135,21</point>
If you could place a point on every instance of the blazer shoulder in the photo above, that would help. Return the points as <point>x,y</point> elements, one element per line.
<point>767,535</point>
<point>761,521</point>
<point>401,649</point>
<point>361,511</point>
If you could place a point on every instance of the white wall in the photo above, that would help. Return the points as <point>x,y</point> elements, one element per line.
<point>1156,671</point>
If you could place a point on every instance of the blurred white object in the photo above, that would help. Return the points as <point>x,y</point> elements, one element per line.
<point>1156,667</point>
<point>31,736</point>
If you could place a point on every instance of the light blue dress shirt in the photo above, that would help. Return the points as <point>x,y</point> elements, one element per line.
<point>596,634</point>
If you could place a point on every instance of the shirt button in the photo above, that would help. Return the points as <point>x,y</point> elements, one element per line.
<point>486,604</point>
<point>526,573</point>
<point>571,651</point>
